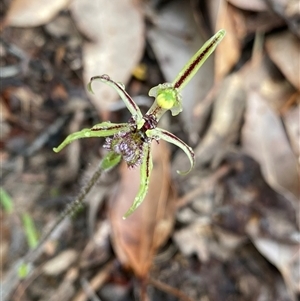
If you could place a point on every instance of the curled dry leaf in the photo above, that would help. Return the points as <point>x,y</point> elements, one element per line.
<point>137,238</point>
<point>116,30</point>
<point>284,50</point>
<point>264,138</point>
<point>29,13</point>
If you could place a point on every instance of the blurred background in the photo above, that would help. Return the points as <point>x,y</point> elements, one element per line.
<point>229,230</point>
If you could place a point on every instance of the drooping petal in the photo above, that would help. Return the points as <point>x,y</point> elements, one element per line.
<point>145,172</point>
<point>193,65</point>
<point>171,138</point>
<point>103,129</point>
<point>129,102</point>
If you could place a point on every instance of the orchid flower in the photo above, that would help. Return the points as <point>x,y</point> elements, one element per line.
<point>132,140</point>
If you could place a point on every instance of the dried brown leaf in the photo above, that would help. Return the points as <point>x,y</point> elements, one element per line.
<point>116,29</point>
<point>253,5</point>
<point>229,51</point>
<point>263,76</point>
<point>289,10</point>
<point>29,13</point>
<point>226,120</point>
<point>60,263</point>
<point>284,50</point>
<point>284,255</point>
<point>291,121</point>
<point>137,238</point>
<point>264,138</point>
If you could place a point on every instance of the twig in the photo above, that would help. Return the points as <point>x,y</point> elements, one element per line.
<point>184,200</point>
<point>169,289</point>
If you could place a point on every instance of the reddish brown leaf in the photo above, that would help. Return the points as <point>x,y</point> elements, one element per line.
<point>137,238</point>
<point>229,51</point>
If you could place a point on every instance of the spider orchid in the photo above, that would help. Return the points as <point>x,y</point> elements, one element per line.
<point>132,140</point>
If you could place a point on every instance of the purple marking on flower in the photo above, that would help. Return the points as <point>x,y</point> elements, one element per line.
<point>101,128</point>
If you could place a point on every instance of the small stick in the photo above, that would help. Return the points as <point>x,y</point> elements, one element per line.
<point>169,289</point>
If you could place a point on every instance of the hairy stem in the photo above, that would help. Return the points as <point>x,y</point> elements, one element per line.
<point>71,208</point>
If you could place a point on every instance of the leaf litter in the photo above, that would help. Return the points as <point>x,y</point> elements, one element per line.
<point>236,222</point>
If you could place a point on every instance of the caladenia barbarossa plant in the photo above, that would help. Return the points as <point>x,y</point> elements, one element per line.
<point>132,140</point>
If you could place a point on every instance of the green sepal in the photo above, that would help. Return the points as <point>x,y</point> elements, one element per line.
<point>171,138</point>
<point>103,129</point>
<point>145,171</point>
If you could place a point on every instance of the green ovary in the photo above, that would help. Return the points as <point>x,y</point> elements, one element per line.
<point>166,99</point>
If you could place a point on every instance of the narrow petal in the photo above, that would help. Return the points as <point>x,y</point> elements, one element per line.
<point>146,168</point>
<point>193,65</point>
<point>171,138</point>
<point>103,129</point>
<point>129,102</point>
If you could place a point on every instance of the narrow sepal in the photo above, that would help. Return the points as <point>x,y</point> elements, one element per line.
<point>159,133</point>
<point>120,88</point>
<point>145,172</point>
<point>103,129</point>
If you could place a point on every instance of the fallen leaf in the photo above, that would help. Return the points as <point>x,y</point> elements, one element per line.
<point>60,263</point>
<point>284,50</point>
<point>254,5</point>
<point>228,51</point>
<point>137,238</point>
<point>227,116</point>
<point>292,125</point>
<point>264,138</point>
<point>284,255</point>
<point>289,10</point>
<point>117,32</point>
<point>264,77</point>
<point>30,13</point>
